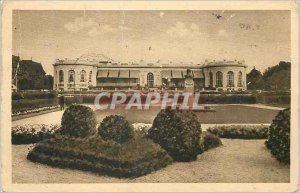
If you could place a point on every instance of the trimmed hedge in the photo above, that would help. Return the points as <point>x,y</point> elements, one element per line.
<point>227,99</point>
<point>29,104</point>
<point>178,132</point>
<point>133,158</point>
<point>240,131</point>
<point>279,136</point>
<point>78,121</point>
<point>116,128</point>
<point>33,95</point>
<point>274,98</point>
<point>28,134</point>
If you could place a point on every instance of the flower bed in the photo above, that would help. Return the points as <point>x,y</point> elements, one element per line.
<point>240,131</point>
<point>136,157</point>
<point>36,110</point>
<point>32,133</point>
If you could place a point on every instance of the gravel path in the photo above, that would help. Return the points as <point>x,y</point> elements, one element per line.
<point>237,161</point>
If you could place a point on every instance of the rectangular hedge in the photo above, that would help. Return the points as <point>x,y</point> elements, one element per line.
<point>227,99</point>
<point>33,95</point>
<point>29,104</point>
<point>240,131</point>
<point>131,159</point>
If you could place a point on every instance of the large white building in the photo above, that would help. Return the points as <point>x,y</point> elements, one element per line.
<point>98,71</point>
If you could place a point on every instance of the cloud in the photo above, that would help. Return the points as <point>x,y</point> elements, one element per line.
<point>182,30</point>
<point>79,23</point>
<point>161,14</point>
<point>99,30</point>
<point>222,32</point>
<point>93,28</point>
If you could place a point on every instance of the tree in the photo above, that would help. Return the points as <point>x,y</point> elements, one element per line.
<point>254,80</point>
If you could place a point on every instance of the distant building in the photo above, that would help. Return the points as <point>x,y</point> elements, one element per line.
<point>98,71</point>
<point>31,75</point>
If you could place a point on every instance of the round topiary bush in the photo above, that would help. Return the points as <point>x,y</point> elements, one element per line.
<point>78,121</point>
<point>279,136</point>
<point>116,128</point>
<point>210,140</point>
<point>178,132</point>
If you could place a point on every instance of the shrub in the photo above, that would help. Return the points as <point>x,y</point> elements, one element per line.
<point>240,131</point>
<point>27,134</point>
<point>279,136</point>
<point>178,132</point>
<point>78,121</point>
<point>210,141</point>
<point>116,128</point>
<point>134,158</point>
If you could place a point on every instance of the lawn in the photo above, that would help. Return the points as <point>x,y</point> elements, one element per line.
<point>223,114</point>
<point>237,161</point>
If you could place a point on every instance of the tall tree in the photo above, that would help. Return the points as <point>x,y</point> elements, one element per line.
<point>254,80</point>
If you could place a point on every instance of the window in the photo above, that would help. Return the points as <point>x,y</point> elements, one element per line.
<point>150,79</point>
<point>219,79</point>
<point>82,76</point>
<point>230,79</point>
<point>210,79</point>
<point>240,79</point>
<point>61,76</point>
<point>90,76</point>
<point>71,76</point>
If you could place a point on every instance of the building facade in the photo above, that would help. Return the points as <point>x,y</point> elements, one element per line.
<point>99,72</point>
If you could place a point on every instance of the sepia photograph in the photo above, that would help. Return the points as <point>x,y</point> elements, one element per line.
<point>134,95</point>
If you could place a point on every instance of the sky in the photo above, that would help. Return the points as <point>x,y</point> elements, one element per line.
<point>261,38</point>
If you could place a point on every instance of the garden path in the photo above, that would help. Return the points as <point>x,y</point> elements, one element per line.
<point>237,161</point>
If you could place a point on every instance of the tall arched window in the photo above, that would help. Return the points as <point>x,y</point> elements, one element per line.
<point>61,76</point>
<point>211,79</point>
<point>82,76</point>
<point>219,79</point>
<point>71,76</point>
<point>90,76</point>
<point>150,79</point>
<point>230,79</point>
<point>240,79</point>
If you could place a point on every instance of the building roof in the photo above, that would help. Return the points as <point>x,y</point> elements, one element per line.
<point>224,63</point>
<point>99,60</point>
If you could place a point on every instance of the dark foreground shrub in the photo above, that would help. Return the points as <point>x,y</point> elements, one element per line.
<point>116,128</point>
<point>279,136</point>
<point>178,132</point>
<point>27,134</point>
<point>240,131</point>
<point>78,121</point>
<point>210,141</point>
<point>134,158</point>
